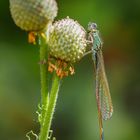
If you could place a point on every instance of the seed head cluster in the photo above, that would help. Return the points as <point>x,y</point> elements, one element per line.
<point>67,40</point>
<point>33,15</point>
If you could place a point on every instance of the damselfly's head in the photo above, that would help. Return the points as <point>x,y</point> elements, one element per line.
<point>92,26</point>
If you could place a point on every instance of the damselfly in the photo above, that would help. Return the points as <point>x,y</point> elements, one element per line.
<point>103,98</point>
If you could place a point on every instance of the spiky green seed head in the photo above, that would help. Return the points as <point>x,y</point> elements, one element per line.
<point>33,15</point>
<point>67,40</point>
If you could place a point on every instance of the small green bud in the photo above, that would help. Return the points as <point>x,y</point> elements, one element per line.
<point>33,15</point>
<point>67,40</point>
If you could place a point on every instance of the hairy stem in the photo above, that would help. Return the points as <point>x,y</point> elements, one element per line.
<point>45,128</point>
<point>43,75</point>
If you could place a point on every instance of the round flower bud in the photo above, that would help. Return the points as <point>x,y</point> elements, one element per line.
<point>67,40</point>
<point>33,15</point>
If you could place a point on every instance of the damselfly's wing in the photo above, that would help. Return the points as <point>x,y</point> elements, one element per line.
<point>105,98</point>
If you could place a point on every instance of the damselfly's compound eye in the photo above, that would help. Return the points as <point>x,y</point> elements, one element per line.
<point>92,26</point>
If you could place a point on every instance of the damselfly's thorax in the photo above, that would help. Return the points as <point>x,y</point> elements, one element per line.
<point>93,37</point>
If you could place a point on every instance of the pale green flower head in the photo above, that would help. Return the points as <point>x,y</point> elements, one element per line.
<point>33,15</point>
<point>67,40</point>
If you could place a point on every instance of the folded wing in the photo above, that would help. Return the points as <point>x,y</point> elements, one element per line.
<point>105,98</point>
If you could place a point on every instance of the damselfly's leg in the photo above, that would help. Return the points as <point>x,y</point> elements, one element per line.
<point>89,52</point>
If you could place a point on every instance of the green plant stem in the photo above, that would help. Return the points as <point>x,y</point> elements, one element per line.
<point>43,75</point>
<point>45,128</point>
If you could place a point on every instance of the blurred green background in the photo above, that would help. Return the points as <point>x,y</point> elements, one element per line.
<point>76,113</point>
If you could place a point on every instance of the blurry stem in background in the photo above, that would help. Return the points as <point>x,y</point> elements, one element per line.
<point>45,128</point>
